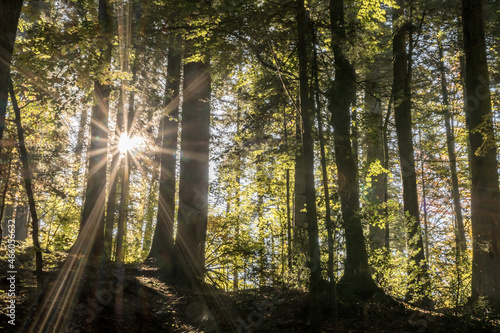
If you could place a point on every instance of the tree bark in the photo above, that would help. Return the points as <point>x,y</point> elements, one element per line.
<point>10,10</point>
<point>450,144</point>
<point>307,114</point>
<point>375,154</point>
<point>418,279</point>
<point>189,251</point>
<point>90,237</point>
<point>163,240</point>
<point>485,195</point>
<point>357,277</point>
<point>4,195</point>
<point>113,180</point>
<point>26,172</point>
<point>324,172</point>
<point>122,211</point>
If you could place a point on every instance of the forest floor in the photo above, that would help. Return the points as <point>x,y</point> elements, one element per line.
<point>138,301</point>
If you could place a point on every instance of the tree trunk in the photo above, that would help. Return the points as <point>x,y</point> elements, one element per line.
<point>163,240</point>
<point>113,180</point>
<point>385,179</point>
<point>79,146</point>
<point>262,253</point>
<point>90,237</point>
<point>424,197</point>
<point>450,144</point>
<point>10,10</point>
<point>307,114</point>
<point>418,282</point>
<point>122,211</point>
<point>324,172</point>
<point>8,215</point>
<point>357,277</point>
<point>189,252</point>
<point>374,156</point>
<point>128,118</point>
<point>4,195</point>
<point>485,202</point>
<point>21,219</point>
<point>149,216</point>
<point>26,172</point>
<point>288,206</point>
<point>299,203</point>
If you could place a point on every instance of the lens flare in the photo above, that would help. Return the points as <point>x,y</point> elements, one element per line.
<point>127,143</point>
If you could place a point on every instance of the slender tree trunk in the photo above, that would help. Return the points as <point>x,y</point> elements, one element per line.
<point>26,171</point>
<point>153,193</point>
<point>21,219</point>
<point>152,197</point>
<point>385,179</point>
<point>79,146</point>
<point>402,109</point>
<point>8,215</point>
<point>163,240</point>
<point>485,195</point>
<point>357,274</point>
<point>189,250</point>
<point>92,224</point>
<point>127,130</point>
<point>324,172</point>
<point>4,195</point>
<point>238,209</point>
<point>288,206</point>
<point>10,10</point>
<point>288,220</point>
<point>81,135</point>
<point>262,253</point>
<point>307,114</point>
<point>122,212</point>
<point>450,144</point>
<point>424,196</point>
<point>299,203</point>
<point>113,180</point>
<point>375,155</point>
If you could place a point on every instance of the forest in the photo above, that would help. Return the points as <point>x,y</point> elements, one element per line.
<point>249,166</point>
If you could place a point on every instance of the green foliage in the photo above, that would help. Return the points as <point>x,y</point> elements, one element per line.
<point>255,131</point>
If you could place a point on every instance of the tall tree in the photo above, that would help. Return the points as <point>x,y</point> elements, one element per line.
<point>485,195</point>
<point>402,114</point>
<point>26,172</point>
<point>4,196</point>
<point>452,156</point>
<point>307,118</point>
<point>343,93</point>
<point>92,224</point>
<point>163,240</point>
<point>10,10</point>
<point>375,160</point>
<point>324,174</point>
<point>189,252</point>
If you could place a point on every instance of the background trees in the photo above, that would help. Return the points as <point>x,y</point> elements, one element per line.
<point>249,123</point>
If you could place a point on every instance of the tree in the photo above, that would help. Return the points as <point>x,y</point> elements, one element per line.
<point>343,92</point>
<point>485,195</point>
<point>9,12</point>
<point>402,114</point>
<point>92,223</point>
<point>163,240</point>
<point>452,156</point>
<point>307,118</point>
<point>375,161</point>
<point>189,251</point>
<point>26,172</point>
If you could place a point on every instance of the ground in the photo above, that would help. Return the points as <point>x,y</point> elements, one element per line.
<point>136,300</point>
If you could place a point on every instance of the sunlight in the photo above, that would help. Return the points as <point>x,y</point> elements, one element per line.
<point>127,143</point>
